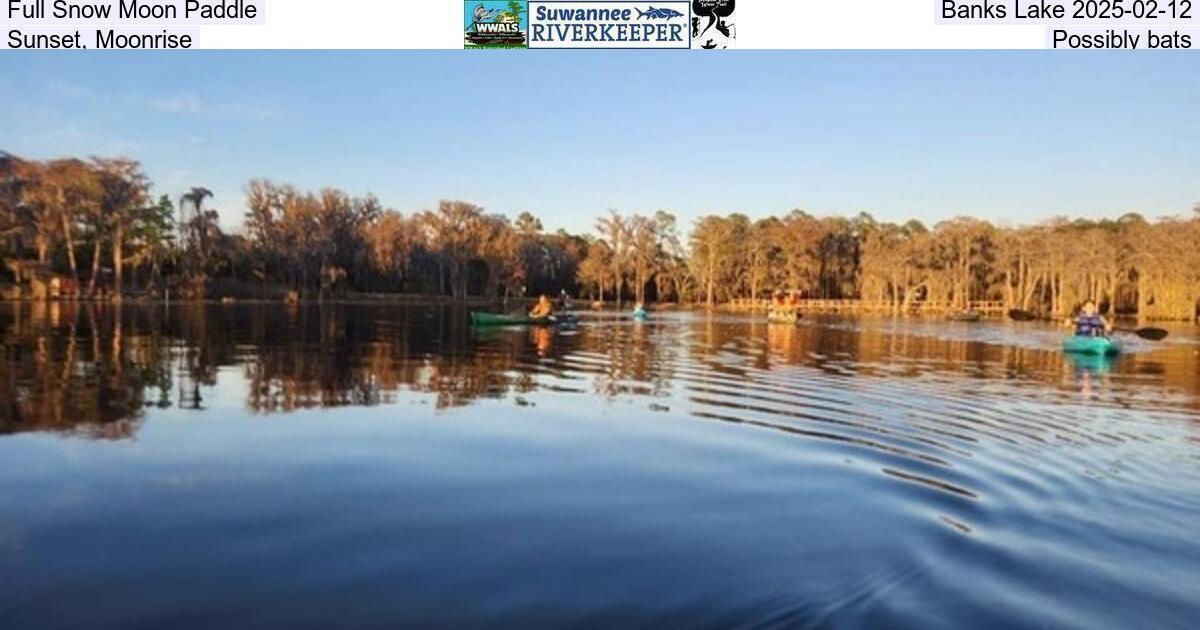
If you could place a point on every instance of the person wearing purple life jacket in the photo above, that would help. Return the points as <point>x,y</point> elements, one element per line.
<point>1089,322</point>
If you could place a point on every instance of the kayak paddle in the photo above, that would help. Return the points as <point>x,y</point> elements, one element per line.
<point>1151,334</point>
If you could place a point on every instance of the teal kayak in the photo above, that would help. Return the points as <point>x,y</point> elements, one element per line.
<point>1103,346</point>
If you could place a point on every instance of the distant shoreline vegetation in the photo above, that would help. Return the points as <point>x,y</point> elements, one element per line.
<point>89,229</point>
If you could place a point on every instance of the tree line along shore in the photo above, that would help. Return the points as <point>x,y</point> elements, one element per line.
<point>92,229</point>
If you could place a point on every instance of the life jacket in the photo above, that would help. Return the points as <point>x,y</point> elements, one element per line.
<point>1089,326</point>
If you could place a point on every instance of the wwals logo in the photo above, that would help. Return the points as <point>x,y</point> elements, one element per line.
<point>495,23</point>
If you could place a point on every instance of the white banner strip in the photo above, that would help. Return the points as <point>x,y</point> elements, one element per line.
<point>761,24</point>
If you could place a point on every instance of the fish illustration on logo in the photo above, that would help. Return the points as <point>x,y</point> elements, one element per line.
<point>658,14</point>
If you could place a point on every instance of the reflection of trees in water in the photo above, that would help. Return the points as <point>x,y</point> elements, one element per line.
<point>628,359</point>
<point>869,351</point>
<point>94,369</point>
<point>338,356</point>
<point>206,346</point>
<point>887,348</point>
<point>68,367</point>
<point>865,350</point>
<point>303,358</point>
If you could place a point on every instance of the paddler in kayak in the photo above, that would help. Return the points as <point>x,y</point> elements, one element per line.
<point>1089,322</point>
<point>543,309</point>
<point>780,308</point>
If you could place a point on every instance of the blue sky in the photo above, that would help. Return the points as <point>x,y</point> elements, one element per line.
<point>1014,137</point>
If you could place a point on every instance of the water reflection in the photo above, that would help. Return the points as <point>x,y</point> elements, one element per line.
<point>94,369</point>
<point>1086,364</point>
<point>694,470</point>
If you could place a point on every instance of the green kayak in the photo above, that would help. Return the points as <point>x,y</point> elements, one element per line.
<point>965,316</point>
<point>1103,346</point>
<point>497,319</point>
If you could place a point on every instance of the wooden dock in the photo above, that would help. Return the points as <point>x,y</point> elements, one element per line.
<point>987,308</point>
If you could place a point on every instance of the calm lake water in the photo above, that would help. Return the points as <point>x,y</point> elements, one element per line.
<point>371,466</point>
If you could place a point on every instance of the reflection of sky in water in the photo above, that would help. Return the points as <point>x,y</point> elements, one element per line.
<point>693,468</point>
